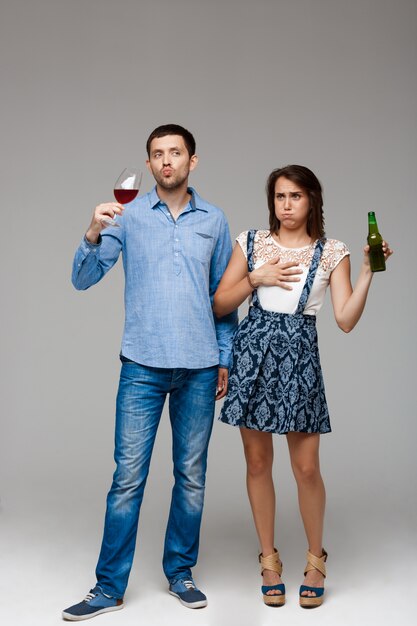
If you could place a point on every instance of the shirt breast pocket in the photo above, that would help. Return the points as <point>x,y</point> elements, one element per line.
<point>201,246</point>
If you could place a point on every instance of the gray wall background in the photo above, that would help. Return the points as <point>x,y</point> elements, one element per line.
<point>325,83</point>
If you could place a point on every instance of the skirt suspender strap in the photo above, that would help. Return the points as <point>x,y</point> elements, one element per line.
<point>318,251</point>
<point>310,276</point>
<point>249,255</point>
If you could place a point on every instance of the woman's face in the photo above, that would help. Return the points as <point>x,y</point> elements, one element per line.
<point>292,204</point>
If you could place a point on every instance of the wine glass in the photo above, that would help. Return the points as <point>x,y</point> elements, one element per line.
<point>126,188</point>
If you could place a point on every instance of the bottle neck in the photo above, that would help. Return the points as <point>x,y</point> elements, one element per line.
<point>372,223</point>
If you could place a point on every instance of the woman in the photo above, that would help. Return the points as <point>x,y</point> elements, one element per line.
<point>275,383</point>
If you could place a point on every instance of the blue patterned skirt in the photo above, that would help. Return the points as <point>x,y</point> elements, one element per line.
<point>275,381</point>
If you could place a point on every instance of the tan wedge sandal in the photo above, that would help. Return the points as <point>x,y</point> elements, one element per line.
<point>318,563</point>
<point>273,563</point>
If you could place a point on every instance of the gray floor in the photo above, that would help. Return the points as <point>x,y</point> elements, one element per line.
<point>49,546</point>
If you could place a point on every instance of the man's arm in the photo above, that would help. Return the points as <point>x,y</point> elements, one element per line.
<point>226,326</point>
<point>97,252</point>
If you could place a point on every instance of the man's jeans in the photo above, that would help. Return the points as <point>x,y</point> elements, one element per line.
<point>140,400</point>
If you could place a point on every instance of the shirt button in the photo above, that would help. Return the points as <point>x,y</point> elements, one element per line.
<point>176,254</point>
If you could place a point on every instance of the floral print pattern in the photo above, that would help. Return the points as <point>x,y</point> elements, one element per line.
<point>275,381</point>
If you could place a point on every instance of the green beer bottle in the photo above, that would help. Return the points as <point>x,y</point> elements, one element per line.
<point>376,255</point>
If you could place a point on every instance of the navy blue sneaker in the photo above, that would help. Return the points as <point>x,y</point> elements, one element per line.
<point>94,603</point>
<point>188,594</point>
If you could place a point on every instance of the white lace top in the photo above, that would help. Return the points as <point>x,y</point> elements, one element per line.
<point>284,301</point>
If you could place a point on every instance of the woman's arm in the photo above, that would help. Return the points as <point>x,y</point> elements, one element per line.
<point>236,284</point>
<point>348,303</point>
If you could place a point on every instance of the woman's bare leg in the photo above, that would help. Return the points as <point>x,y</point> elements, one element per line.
<point>305,462</point>
<point>259,454</point>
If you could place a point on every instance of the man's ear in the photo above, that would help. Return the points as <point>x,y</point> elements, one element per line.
<point>193,162</point>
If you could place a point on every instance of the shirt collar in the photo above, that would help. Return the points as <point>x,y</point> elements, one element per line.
<point>195,202</point>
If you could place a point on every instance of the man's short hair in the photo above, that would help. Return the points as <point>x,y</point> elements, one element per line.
<point>172,129</point>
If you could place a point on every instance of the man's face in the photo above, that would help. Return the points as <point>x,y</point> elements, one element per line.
<point>169,161</point>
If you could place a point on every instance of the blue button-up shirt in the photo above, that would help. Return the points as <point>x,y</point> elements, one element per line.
<point>172,269</point>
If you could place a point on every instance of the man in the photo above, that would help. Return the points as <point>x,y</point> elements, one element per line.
<point>175,249</point>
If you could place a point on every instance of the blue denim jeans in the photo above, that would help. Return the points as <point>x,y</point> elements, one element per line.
<point>140,400</point>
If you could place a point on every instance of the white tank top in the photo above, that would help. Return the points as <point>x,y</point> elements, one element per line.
<point>284,301</point>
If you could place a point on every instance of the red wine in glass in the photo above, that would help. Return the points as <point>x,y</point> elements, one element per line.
<point>126,188</point>
<point>124,196</point>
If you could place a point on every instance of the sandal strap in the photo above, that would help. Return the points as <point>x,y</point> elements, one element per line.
<point>319,591</point>
<point>315,562</point>
<point>280,587</point>
<point>271,562</point>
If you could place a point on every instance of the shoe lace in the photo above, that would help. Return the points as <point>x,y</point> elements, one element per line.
<point>90,596</point>
<point>189,584</point>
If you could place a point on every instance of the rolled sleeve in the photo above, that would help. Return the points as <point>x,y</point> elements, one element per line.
<point>93,260</point>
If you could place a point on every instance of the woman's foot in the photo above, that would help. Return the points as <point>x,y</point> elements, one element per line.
<point>270,579</point>
<point>311,592</point>
<point>313,578</point>
<point>271,570</point>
